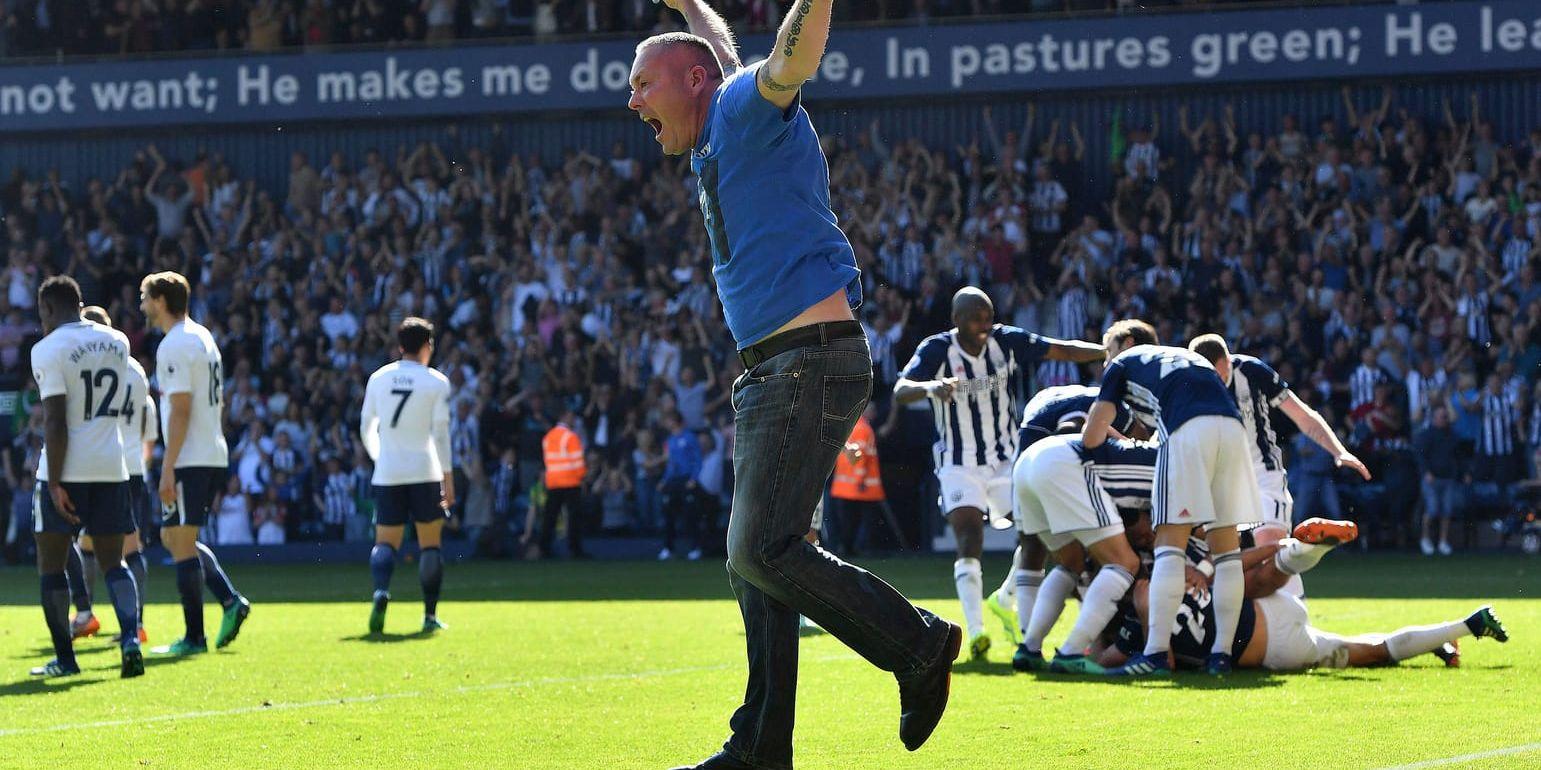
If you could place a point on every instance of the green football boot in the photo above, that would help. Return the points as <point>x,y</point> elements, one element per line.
<point>230,626</point>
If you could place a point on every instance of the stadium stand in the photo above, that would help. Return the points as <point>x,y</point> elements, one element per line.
<point>1386,265</point>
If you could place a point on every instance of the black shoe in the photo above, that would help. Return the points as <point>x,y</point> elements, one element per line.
<point>923,694</point>
<point>722,760</point>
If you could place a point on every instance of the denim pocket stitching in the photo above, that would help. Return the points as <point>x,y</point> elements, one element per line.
<point>824,413</point>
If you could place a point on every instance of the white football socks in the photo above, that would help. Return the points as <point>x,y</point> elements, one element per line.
<point>1028,581</point>
<point>1056,588</point>
<point>1413,641</point>
<point>1099,606</point>
<point>1229,590</point>
<point>969,577</point>
<point>1166,595</point>
<point>1295,557</point>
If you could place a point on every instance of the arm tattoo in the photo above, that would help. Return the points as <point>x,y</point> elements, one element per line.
<point>771,85</point>
<point>796,29</point>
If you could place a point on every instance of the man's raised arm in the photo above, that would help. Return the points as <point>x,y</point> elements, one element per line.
<point>799,48</point>
<point>708,24</point>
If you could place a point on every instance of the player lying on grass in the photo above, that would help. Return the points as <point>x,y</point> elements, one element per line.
<point>1275,631</point>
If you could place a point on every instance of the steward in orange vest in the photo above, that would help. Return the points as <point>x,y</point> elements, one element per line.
<point>857,476</point>
<point>563,451</point>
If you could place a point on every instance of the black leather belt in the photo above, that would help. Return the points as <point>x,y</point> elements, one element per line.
<point>801,337</point>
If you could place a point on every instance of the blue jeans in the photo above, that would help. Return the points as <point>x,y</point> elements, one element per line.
<point>794,412</point>
<point>1440,497</point>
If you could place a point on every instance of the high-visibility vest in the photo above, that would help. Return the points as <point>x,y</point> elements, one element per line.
<point>859,480</point>
<point>563,452</point>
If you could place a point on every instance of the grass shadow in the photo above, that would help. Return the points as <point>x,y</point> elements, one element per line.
<point>48,651</point>
<point>1238,680</point>
<point>384,638</point>
<point>37,685</point>
<point>982,668</point>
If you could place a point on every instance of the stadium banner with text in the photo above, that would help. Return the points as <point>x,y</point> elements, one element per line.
<point>1173,49</point>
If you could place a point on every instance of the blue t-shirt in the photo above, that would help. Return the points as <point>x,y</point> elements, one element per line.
<point>684,457</point>
<point>777,249</point>
<point>1166,387</point>
<point>1052,406</point>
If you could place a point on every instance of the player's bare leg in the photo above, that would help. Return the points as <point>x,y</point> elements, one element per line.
<point>1412,641</point>
<point>968,527</point>
<point>80,570</point>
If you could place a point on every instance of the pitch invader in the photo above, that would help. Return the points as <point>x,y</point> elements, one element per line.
<point>1053,410</point>
<point>973,376</point>
<point>405,428</point>
<point>1259,390</point>
<point>1069,497</point>
<point>1203,477</point>
<point>140,430</point>
<point>81,368</point>
<point>190,373</point>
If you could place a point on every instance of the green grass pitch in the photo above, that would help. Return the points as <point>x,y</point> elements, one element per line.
<point>621,665</point>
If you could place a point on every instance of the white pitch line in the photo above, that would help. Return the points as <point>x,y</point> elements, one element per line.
<point>379,697</point>
<point>1506,752</point>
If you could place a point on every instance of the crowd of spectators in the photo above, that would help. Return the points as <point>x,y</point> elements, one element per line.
<point>1385,265</point>
<point>93,28</point>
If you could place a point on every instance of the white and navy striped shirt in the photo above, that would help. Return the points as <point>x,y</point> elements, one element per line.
<point>1361,385</point>
<point>1474,308</point>
<point>1053,374</point>
<point>1125,469</point>
<point>978,425</point>
<point>1074,312</point>
<point>338,497</point>
<point>1259,390</point>
<point>1421,390</point>
<point>1516,255</point>
<point>1042,201</point>
<point>1143,152</point>
<point>1500,420</point>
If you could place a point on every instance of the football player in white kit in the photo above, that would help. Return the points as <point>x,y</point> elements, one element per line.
<point>405,428</point>
<point>82,482</point>
<point>141,428</point>
<point>973,376</point>
<point>190,374</point>
<point>1258,390</point>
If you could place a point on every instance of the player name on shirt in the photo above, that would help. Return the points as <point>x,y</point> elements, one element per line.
<point>404,423</point>
<point>87,363</point>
